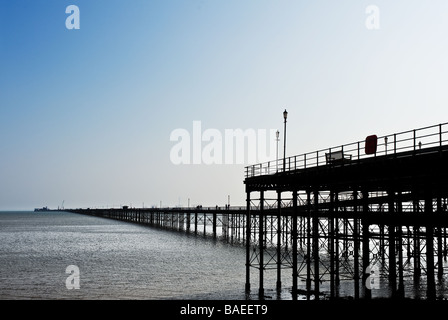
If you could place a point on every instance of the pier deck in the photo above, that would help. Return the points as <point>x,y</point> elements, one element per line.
<point>388,205</point>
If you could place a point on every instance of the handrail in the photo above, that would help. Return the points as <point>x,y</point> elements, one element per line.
<point>392,144</point>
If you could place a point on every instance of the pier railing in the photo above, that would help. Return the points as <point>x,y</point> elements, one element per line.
<point>393,144</point>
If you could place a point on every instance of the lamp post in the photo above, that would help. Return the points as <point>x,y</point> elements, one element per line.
<point>285,115</point>
<point>277,134</point>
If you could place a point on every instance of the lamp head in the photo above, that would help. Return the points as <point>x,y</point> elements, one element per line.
<point>285,114</point>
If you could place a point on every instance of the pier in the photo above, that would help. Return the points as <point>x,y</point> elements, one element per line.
<point>368,214</point>
<point>222,223</point>
<point>379,204</point>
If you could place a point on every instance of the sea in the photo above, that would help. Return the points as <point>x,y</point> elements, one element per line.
<point>58,255</point>
<point>61,255</point>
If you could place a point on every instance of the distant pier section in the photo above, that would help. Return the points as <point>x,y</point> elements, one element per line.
<point>224,223</point>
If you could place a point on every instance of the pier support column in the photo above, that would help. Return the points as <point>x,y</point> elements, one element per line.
<point>248,237</point>
<point>400,292</point>
<point>261,245</point>
<point>356,243</point>
<point>439,242</point>
<point>214,225</point>
<point>416,249</point>
<point>181,221</point>
<point>336,239</point>
<point>331,237</point>
<point>308,246</point>
<point>416,253</point>
<point>431,286</point>
<point>196,222</point>
<point>392,261</point>
<point>294,246</point>
<point>316,245</point>
<point>365,246</point>
<point>279,241</point>
<point>188,222</point>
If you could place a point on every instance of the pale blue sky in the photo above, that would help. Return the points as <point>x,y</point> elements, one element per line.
<point>86,115</point>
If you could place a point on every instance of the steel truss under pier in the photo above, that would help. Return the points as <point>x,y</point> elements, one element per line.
<point>374,220</point>
<point>222,223</point>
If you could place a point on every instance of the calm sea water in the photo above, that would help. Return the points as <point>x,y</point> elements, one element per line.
<point>116,260</point>
<point>119,260</point>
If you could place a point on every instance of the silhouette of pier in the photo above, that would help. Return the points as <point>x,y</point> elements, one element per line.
<point>225,223</point>
<point>371,214</point>
<point>377,204</point>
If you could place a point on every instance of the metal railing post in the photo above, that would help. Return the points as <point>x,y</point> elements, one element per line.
<point>395,144</point>
<point>359,154</point>
<point>414,140</point>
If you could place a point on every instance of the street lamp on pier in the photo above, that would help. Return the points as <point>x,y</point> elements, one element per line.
<point>277,134</point>
<point>285,115</point>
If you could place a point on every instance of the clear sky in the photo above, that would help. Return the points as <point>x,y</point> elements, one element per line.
<point>86,114</point>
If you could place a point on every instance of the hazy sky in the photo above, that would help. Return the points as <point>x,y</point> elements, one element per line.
<point>86,114</point>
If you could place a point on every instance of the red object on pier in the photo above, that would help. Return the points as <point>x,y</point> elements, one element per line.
<point>371,143</point>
